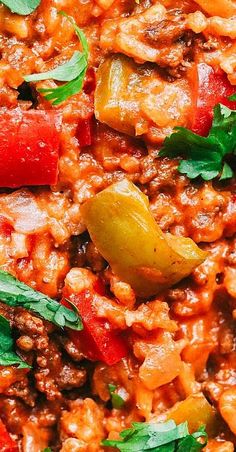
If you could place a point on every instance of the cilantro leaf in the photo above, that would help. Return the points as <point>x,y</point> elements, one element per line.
<point>8,356</point>
<point>64,73</point>
<point>205,155</point>
<point>161,437</point>
<point>22,7</point>
<point>15,293</point>
<point>63,92</point>
<point>227,172</point>
<point>72,72</point>
<point>191,444</point>
<point>116,399</point>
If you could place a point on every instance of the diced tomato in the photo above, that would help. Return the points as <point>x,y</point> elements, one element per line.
<point>29,147</point>
<point>98,340</point>
<point>84,132</point>
<point>6,442</point>
<point>210,87</point>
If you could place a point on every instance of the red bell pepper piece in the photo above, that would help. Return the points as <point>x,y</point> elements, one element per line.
<point>7,444</point>
<point>29,147</point>
<point>84,132</point>
<point>98,340</point>
<point>210,87</point>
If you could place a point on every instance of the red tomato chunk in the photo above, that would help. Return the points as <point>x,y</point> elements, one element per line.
<point>210,88</point>
<point>29,147</point>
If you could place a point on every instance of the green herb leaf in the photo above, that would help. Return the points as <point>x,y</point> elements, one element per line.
<point>15,293</point>
<point>48,449</point>
<point>63,92</point>
<point>191,444</point>
<point>233,97</point>
<point>116,399</point>
<point>8,356</point>
<point>227,172</point>
<point>22,7</point>
<point>163,437</point>
<point>64,73</point>
<point>205,155</point>
<point>73,72</point>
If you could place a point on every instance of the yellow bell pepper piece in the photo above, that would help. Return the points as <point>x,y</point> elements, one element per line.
<point>197,411</point>
<point>127,236</point>
<point>116,102</point>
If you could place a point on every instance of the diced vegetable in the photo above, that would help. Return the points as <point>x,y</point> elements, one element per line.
<point>124,231</point>
<point>210,87</point>
<point>6,442</point>
<point>111,102</point>
<point>134,99</point>
<point>29,147</point>
<point>98,340</point>
<point>22,213</point>
<point>197,411</point>
<point>161,360</point>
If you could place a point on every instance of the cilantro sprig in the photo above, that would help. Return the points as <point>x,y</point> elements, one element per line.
<point>8,357</point>
<point>22,7</point>
<point>15,293</point>
<point>116,399</point>
<point>161,437</point>
<point>72,72</point>
<point>205,156</point>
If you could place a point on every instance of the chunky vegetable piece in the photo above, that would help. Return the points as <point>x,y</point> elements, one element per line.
<point>22,7</point>
<point>73,72</point>
<point>124,231</point>
<point>6,442</point>
<point>98,340</point>
<point>29,147</point>
<point>8,356</point>
<point>210,87</point>
<point>134,99</point>
<point>15,293</point>
<point>163,437</point>
<point>205,155</point>
<point>111,105</point>
<point>197,411</point>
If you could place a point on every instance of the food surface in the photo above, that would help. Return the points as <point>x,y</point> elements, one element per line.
<point>117,225</point>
